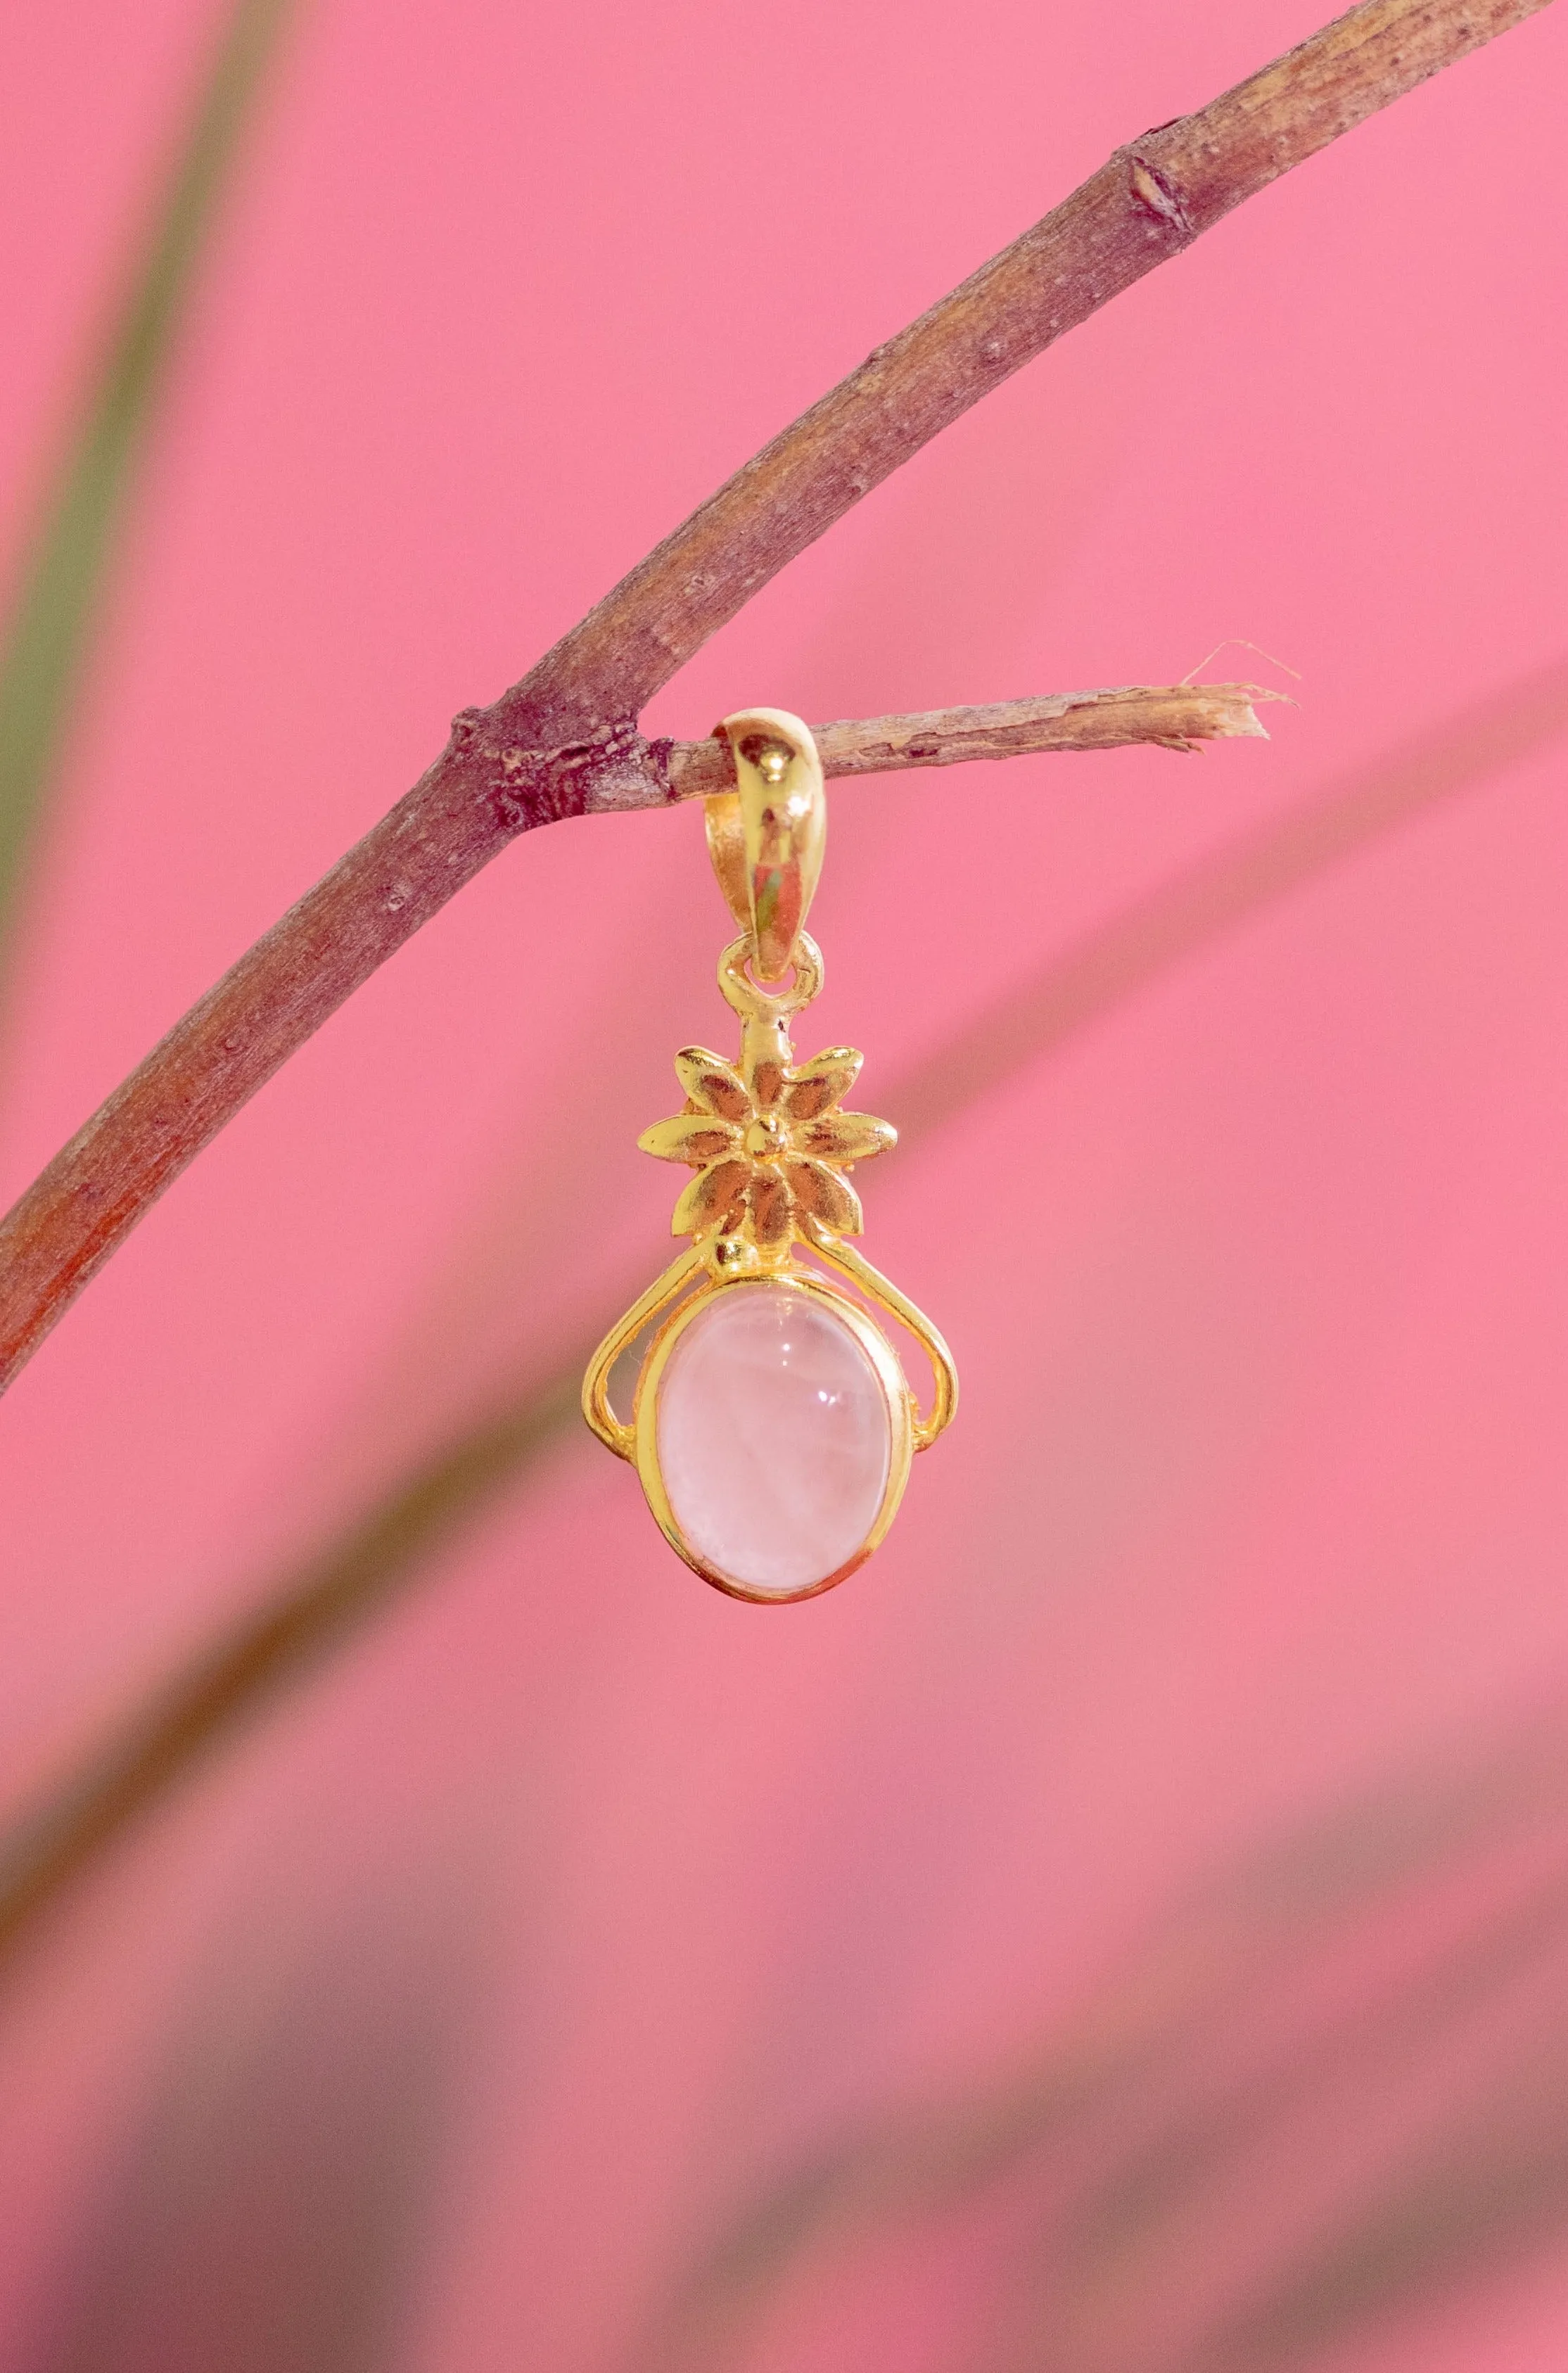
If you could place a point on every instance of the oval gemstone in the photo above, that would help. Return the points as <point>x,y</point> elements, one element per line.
<point>774,1438</point>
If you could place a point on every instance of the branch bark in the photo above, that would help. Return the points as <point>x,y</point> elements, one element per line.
<point>1175,716</point>
<point>563,740</point>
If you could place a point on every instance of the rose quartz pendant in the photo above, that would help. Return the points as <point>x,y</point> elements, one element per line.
<point>774,1436</point>
<point>773,1426</point>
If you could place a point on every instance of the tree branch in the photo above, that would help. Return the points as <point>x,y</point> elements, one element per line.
<point>564,739</point>
<point>1177,716</point>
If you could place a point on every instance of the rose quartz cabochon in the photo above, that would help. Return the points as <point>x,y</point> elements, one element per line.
<point>774,1439</point>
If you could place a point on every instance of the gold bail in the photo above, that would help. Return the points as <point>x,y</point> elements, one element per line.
<point>767,836</point>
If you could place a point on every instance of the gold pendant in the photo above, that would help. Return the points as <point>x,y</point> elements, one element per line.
<point>772,1425</point>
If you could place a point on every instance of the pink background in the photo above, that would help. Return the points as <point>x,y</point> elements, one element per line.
<point>468,1998</point>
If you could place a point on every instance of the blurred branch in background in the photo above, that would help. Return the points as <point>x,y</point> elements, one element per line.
<point>300,1617</point>
<point>45,643</point>
<point>1326,2084</point>
<point>563,740</point>
<point>294,1625</point>
<point>275,2198</point>
<point>1199,903</point>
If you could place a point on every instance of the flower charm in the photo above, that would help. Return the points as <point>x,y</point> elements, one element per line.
<point>768,1151</point>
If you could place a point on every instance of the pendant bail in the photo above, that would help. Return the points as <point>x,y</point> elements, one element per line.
<point>767,836</point>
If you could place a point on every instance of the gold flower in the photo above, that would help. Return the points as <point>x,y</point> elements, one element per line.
<point>768,1151</point>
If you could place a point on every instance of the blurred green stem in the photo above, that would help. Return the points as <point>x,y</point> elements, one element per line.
<point>47,640</point>
<point>296,1621</point>
<point>355,1578</point>
<point>1118,2141</point>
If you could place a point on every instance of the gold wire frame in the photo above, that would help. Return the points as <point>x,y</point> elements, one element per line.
<point>687,1279</point>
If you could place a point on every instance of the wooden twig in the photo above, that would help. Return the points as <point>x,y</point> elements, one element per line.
<point>1174,716</point>
<point>566,739</point>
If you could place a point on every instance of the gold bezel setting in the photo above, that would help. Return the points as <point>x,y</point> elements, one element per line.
<point>897,1404</point>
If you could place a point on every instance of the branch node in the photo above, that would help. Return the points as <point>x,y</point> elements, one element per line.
<point>1160,197</point>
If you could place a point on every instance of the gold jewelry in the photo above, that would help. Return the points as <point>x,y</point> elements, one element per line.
<point>772,1425</point>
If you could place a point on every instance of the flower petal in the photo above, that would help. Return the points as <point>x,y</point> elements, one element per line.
<point>844,1137</point>
<point>713,1085</point>
<point>691,1137</point>
<point>709,1203</point>
<point>827,1196</point>
<point>823,1082</point>
<point>771,1208</point>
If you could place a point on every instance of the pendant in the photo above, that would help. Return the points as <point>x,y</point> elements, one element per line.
<point>772,1425</point>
